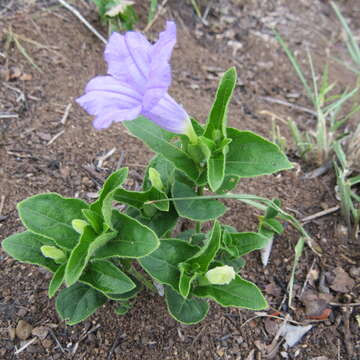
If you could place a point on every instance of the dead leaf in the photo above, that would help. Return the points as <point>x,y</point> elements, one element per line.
<point>343,282</point>
<point>265,252</point>
<point>314,304</point>
<point>323,316</point>
<point>293,334</point>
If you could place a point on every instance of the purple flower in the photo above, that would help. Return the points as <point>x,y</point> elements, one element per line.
<point>137,84</point>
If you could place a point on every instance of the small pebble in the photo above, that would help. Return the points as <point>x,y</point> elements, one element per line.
<point>47,343</point>
<point>22,312</point>
<point>41,332</point>
<point>12,333</point>
<point>23,330</point>
<point>354,271</point>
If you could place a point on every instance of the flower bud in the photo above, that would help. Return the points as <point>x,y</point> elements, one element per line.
<point>155,179</point>
<point>53,252</point>
<point>79,225</point>
<point>221,275</point>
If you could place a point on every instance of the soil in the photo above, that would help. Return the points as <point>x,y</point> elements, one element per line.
<point>41,153</point>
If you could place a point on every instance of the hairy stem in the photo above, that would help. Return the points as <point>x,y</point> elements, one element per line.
<point>139,276</point>
<point>200,191</point>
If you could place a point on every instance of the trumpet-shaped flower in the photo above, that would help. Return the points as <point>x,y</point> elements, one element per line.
<point>137,83</point>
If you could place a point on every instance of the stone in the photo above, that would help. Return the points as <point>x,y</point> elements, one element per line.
<point>23,330</point>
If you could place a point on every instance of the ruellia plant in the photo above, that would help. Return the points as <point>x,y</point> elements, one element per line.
<point>112,248</point>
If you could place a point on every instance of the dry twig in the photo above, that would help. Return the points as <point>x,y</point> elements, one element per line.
<point>25,346</point>
<point>55,137</point>
<point>320,214</point>
<point>66,114</point>
<point>101,159</point>
<point>83,20</point>
<point>158,13</point>
<point>282,102</point>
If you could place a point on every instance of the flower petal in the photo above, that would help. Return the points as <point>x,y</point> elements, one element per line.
<point>128,58</point>
<point>108,83</point>
<point>106,92</point>
<point>109,116</point>
<point>169,115</point>
<point>160,71</point>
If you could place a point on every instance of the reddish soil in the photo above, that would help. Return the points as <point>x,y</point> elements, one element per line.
<point>34,160</point>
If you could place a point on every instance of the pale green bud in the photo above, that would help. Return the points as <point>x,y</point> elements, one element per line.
<point>221,275</point>
<point>119,8</point>
<point>53,252</point>
<point>155,179</point>
<point>190,133</point>
<point>79,225</point>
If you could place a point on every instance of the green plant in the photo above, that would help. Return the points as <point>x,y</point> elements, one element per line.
<point>118,15</point>
<point>104,252</point>
<point>317,144</point>
<point>351,43</point>
<point>349,199</point>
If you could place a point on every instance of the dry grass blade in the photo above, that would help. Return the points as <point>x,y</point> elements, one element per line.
<point>22,50</point>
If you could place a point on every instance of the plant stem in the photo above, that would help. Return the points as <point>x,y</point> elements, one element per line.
<point>139,276</point>
<point>200,191</point>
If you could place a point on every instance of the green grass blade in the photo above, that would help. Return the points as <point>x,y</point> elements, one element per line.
<point>296,66</point>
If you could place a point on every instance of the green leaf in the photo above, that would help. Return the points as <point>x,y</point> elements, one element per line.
<point>94,219</point>
<point>216,124</point>
<point>207,253</point>
<point>159,141</point>
<point>270,211</point>
<point>26,247</point>
<point>56,280</point>
<point>246,242</point>
<point>228,184</point>
<point>123,308</point>
<point>186,279</point>
<point>187,311</point>
<point>161,222</point>
<point>216,170</point>
<point>115,180</point>
<point>239,292</point>
<point>79,256</point>
<point>186,235</point>
<point>77,302</point>
<point>225,259</point>
<point>133,240</point>
<point>162,264</point>
<point>100,241</point>
<point>104,276</point>
<point>198,210</point>
<point>273,225</point>
<point>127,295</point>
<point>54,253</point>
<point>251,155</point>
<point>137,199</point>
<point>50,215</point>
